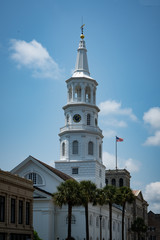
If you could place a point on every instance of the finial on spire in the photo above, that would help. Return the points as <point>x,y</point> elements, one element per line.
<point>82,35</point>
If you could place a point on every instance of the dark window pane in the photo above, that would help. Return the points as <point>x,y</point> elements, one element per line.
<point>2,208</point>
<point>27,212</point>
<point>20,221</point>
<point>13,209</point>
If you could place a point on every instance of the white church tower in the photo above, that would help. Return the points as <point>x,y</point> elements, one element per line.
<point>81,138</point>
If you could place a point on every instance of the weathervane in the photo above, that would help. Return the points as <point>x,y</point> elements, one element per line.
<point>82,36</point>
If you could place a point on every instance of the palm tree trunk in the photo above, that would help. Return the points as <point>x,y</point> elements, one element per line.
<point>69,220</point>
<point>87,225</point>
<point>110,220</point>
<point>123,213</point>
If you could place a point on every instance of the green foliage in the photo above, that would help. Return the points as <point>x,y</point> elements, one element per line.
<point>139,226</point>
<point>87,195</point>
<point>125,194</point>
<point>68,193</point>
<point>72,193</point>
<point>35,236</point>
<point>87,192</point>
<point>110,194</point>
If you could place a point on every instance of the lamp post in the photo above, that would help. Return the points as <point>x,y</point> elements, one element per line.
<point>100,218</point>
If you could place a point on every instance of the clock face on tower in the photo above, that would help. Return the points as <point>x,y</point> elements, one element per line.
<point>76,118</point>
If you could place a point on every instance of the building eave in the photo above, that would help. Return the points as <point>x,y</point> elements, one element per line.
<point>83,77</point>
<point>81,104</point>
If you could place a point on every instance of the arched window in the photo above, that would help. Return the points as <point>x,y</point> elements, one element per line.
<point>77,95</point>
<point>100,151</point>
<point>75,147</point>
<point>121,182</point>
<point>88,95</point>
<point>114,226</point>
<point>106,181</point>
<point>90,148</point>
<point>97,221</point>
<point>73,220</point>
<point>103,223</point>
<point>63,149</point>
<point>35,177</point>
<point>95,121</point>
<point>67,119</point>
<point>118,227</point>
<point>91,220</point>
<point>70,94</point>
<point>114,182</point>
<point>94,96</point>
<point>88,119</point>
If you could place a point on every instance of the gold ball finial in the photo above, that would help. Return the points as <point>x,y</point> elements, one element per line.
<point>82,36</point>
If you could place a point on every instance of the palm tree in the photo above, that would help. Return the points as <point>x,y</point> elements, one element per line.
<point>87,195</point>
<point>124,195</point>
<point>68,193</point>
<point>139,227</point>
<point>109,197</point>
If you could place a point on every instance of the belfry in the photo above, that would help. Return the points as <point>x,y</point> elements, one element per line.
<point>81,138</point>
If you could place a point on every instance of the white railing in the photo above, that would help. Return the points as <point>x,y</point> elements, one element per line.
<point>80,127</point>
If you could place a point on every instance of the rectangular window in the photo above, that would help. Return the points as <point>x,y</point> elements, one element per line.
<point>20,220</point>
<point>27,213</point>
<point>74,170</point>
<point>13,210</point>
<point>2,208</point>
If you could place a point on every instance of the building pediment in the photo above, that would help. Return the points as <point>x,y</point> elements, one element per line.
<point>43,175</point>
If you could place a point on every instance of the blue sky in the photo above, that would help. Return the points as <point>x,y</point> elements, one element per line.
<point>38,47</point>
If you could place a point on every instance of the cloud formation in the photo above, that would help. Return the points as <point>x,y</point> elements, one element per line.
<point>152,117</point>
<point>129,164</point>
<point>35,57</point>
<point>152,195</point>
<point>111,107</point>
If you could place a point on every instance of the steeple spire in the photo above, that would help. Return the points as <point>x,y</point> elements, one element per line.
<point>81,68</point>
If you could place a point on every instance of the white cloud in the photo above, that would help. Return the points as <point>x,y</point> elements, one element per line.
<point>114,122</point>
<point>129,164</point>
<point>111,107</point>
<point>109,133</point>
<point>34,56</point>
<point>152,117</point>
<point>132,165</point>
<point>152,195</point>
<point>153,140</point>
<point>109,160</point>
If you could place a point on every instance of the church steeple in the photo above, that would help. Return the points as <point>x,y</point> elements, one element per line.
<point>81,68</point>
<point>81,138</point>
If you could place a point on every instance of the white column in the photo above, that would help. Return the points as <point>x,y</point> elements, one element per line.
<point>73,92</point>
<point>91,95</point>
<point>67,147</point>
<point>83,92</point>
<point>83,146</point>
